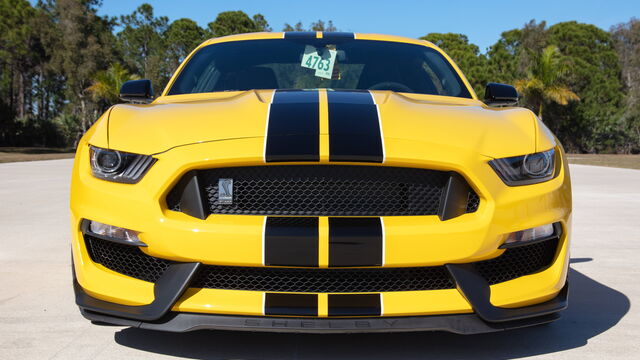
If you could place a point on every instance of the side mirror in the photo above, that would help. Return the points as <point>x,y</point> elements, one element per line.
<point>137,91</point>
<point>500,95</point>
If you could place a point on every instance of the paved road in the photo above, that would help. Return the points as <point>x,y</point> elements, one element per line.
<point>38,318</point>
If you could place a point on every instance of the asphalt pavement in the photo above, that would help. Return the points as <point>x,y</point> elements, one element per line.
<point>39,320</point>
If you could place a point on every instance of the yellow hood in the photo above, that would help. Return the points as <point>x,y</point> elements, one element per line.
<point>435,121</point>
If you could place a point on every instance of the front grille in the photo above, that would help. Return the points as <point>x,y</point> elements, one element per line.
<point>131,261</point>
<point>325,190</point>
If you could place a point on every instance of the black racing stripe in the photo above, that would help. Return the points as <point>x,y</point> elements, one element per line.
<point>354,127</point>
<point>291,241</point>
<point>291,304</point>
<point>354,305</point>
<point>355,242</point>
<point>337,35</point>
<point>300,34</point>
<point>293,132</point>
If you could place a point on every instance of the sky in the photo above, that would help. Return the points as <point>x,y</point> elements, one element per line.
<point>482,21</point>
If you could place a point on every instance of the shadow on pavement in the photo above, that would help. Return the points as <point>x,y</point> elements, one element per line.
<point>593,309</point>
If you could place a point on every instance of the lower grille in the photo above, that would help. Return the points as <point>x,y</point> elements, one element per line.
<point>126,259</point>
<point>513,263</point>
<point>324,280</point>
<point>323,190</point>
<point>519,261</point>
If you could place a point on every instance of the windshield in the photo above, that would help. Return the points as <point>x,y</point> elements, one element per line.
<point>313,64</point>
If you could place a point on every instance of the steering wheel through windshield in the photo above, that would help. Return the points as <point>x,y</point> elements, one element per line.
<point>390,85</point>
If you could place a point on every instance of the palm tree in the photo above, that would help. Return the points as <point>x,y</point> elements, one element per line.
<point>106,84</point>
<point>544,81</point>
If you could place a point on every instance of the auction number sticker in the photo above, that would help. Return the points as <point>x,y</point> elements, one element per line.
<point>322,62</point>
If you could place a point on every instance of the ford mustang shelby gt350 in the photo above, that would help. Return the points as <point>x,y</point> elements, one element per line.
<point>320,182</point>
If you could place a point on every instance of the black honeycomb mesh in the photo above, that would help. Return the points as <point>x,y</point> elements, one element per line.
<point>473,202</point>
<point>126,259</point>
<point>325,190</point>
<point>324,280</point>
<point>517,262</point>
<point>513,263</point>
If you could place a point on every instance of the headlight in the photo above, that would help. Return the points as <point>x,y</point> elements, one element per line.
<point>119,166</point>
<point>527,169</point>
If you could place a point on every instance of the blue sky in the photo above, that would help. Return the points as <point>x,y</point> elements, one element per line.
<point>482,21</point>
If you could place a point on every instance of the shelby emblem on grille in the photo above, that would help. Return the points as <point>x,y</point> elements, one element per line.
<point>225,191</point>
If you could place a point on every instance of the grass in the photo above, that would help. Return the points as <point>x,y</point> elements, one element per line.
<point>610,160</point>
<point>15,154</point>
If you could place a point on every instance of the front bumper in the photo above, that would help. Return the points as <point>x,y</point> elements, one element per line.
<point>158,315</point>
<point>236,240</point>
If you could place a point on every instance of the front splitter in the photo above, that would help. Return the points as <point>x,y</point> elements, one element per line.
<point>459,323</point>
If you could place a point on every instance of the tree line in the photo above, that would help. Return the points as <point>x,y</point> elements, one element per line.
<point>584,82</point>
<point>61,65</point>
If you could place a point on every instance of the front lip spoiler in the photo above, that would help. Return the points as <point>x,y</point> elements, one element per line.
<point>176,279</point>
<point>167,290</point>
<point>466,324</point>
<point>478,293</point>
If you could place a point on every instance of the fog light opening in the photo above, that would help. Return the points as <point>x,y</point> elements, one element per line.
<point>115,233</point>
<point>527,236</point>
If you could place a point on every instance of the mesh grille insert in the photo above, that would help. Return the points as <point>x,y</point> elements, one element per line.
<point>126,259</point>
<point>517,262</point>
<point>473,202</point>
<point>513,263</point>
<point>325,190</point>
<point>324,280</point>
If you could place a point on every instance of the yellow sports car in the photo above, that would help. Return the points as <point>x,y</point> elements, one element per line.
<point>320,182</point>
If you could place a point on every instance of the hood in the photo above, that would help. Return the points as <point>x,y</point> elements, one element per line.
<point>431,120</point>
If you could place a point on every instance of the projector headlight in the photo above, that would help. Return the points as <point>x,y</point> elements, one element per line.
<point>526,169</point>
<point>119,166</point>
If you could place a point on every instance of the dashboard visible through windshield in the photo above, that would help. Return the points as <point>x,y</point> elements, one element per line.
<point>314,63</point>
